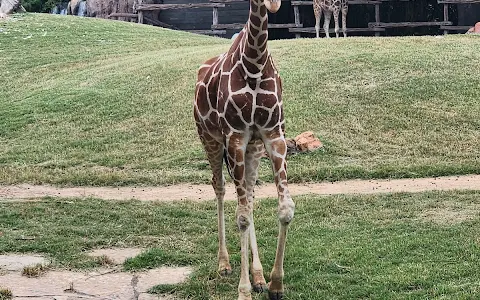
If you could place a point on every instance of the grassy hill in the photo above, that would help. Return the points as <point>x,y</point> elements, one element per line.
<point>95,102</point>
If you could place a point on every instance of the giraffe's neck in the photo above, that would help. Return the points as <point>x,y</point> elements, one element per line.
<point>255,52</point>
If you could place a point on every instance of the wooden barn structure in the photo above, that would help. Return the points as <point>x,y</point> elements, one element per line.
<point>295,17</point>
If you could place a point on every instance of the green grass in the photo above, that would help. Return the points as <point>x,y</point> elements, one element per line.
<point>392,246</point>
<point>96,102</point>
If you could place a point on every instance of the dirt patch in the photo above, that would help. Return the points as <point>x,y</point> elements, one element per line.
<point>451,213</point>
<point>445,216</point>
<point>93,285</point>
<point>99,284</point>
<point>205,192</point>
<point>16,262</point>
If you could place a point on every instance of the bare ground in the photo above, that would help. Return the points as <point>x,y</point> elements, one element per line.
<point>109,283</point>
<point>205,192</point>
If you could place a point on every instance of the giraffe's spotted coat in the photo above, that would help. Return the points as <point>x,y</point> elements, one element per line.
<point>238,111</point>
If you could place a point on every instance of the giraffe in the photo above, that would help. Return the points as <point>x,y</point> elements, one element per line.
<point>329,6</point>
<point>238,113</point>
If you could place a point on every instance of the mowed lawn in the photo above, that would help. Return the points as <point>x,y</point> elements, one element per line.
<point>95,102</point>
<point>394,246</point>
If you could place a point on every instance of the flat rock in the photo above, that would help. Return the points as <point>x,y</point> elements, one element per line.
<point>99,284</point>
<point>163,275</point>
<point>16,262</point>
<point>108,286</point>
<point>117,255</point>
<point>51,284</point>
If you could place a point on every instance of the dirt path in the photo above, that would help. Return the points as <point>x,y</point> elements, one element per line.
<point>205,192</point>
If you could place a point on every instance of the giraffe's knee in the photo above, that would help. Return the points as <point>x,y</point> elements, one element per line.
<point>244,213</point>
<point>286,211</point>
<point>219,186</point>
<point>243,222</point>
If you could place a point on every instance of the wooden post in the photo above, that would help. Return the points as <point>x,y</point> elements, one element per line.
<point>140,13</point>
<point>377,17</point>
<point>445,15</point>
<point>215,16</point>
<point>296,12</point>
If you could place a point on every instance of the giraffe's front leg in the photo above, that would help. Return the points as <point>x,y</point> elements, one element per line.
<point>317,10</point>
<point>252,161</point>
<point>277,150</point>
<point>236,158</point>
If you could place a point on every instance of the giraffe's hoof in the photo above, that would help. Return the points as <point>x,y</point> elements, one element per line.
<point>225,271</point>
<point>272,295</point>
<point>260,287</point>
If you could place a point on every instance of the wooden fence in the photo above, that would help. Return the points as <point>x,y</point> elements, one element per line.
<point>375,26</point>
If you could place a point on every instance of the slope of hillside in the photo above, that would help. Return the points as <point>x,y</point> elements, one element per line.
<point>96,102</point>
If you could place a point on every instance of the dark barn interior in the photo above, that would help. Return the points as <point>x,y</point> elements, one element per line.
<point>422,17</point>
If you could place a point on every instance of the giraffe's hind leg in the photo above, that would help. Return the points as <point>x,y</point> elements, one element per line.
<point>344,19</point>
<point>317,10</point>
<point>252,160</point>
<point>215,151</point>
<point>326,22</point>
<point>336,12</point>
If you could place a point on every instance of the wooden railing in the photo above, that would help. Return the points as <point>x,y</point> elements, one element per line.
<point>297,27</point>
<point>450,27</point>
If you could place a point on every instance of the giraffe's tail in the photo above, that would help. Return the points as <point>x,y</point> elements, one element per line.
<point>225,158</point>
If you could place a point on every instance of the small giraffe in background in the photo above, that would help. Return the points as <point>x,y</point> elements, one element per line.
<point>329,6</point>
<point>238,111</point>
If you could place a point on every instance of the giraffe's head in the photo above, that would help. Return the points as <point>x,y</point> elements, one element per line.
<point>273,5</point>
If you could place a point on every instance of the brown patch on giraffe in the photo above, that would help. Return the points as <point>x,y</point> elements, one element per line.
<point>268,85</point>
<point>265,26</point>
<point>278,163</point>
<point>269,71</point>
<point>240,191</point>
<point>254,31</point>
<point>275,117</point>
<point>262,39</point>
<point>266,100</point>
<point>256,20</point>
<point>225,128</point>
<point>233,118</point>
<point>244,103</point>
<point>239,173</point>
<point>212,92</point>
<point>237,82</point>
<point>280,148</point>
<point>249,66</point>
<point>253,6</point>
<point>202,103</point>
<point>252,83</point>
<point>261,116</point>
<point>262,60</point>
<point>211,126</point>
<point>263,10</point>
<point>251,39</point>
